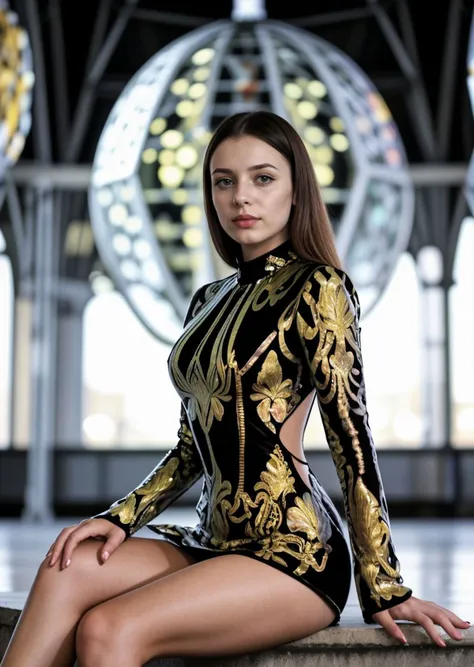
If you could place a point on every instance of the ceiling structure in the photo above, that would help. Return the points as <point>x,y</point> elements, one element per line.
<point>85,58</point>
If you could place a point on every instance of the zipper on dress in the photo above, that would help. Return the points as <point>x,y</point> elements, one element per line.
<point>240,401</point>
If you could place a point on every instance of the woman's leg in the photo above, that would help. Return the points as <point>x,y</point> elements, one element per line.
<point>227,605</point>
<point>46,631</point>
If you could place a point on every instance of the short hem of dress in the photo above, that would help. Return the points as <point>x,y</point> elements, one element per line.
<point>210,553</point>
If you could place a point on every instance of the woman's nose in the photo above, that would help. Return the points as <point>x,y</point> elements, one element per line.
<point>241,197</point>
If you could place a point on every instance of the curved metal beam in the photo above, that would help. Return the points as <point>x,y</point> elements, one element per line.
<point>83,110</point>
<point>41,125</point>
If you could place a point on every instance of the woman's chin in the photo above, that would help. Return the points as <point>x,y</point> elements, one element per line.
<point>244,235</point>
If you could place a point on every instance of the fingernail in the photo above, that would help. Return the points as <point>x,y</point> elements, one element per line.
<point>67,562</point>
<point>105,555</point>
<point>443,644</point>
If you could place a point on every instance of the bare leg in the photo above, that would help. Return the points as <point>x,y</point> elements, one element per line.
<point>227,605</point>
<point>46,631</point>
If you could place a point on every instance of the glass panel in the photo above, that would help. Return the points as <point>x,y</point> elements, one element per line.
<point>6,319</point>
<point>461,308</point>
<point>129,400</point>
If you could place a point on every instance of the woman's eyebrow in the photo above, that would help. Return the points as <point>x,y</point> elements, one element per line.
<point>255,166</point>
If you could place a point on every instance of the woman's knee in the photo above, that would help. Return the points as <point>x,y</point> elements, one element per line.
<point>100,633</point>
<point>84,560</point>
<point>94,635</point>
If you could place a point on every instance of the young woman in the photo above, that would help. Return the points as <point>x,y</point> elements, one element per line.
<point>267,562</point>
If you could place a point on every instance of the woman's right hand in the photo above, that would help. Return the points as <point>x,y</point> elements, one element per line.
<point>69,538</point>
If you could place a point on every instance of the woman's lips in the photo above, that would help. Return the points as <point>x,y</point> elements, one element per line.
<point>245,223</point>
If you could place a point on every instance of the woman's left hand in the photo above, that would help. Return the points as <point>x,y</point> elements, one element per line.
<point>425,614</point>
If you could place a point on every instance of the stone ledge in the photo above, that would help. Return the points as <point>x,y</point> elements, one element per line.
<point>352,641</point>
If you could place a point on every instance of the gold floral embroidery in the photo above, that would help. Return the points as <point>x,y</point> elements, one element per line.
<point>162,480</point>
<point>272,392</point>
<point>276,482</point>
<point>184,433</point>
<point>209,392</point>
<point>371,536</point>
<point>274,263</point>
<point>219,522</point>
<point>125,510</point>
<point>334,320</point>
<point>302,518</point>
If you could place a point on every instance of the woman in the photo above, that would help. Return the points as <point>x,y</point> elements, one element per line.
<point>257,348</point>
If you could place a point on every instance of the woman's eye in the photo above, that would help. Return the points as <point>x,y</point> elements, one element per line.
<point>224,182</point>
<point>221,180</point>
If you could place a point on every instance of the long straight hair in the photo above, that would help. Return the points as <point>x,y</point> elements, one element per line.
<point>310,230</point>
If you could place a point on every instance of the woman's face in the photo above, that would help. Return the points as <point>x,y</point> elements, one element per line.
<point>249,177</point>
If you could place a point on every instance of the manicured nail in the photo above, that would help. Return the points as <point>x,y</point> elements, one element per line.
<point>67,562</point>
<point>105,555</point>
<point>443,644</point>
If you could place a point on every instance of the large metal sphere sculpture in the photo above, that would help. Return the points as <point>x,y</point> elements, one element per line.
<point>16,83</point>
<point>146,190</point>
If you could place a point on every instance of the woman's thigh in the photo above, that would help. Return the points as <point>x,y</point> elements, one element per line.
<point>226,605</point>
<point>136,562</point>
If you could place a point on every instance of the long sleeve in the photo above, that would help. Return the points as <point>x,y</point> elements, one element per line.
<point>328,328</point>
<point>174,474</point>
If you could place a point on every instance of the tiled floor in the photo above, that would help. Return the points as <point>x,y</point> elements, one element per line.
<point>436,557</point>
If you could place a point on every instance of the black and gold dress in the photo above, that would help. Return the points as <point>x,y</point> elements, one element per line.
<point>254,346</point>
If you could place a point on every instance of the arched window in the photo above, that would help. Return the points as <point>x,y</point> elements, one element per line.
<point>129,400</point>
<point>6,340</point>
<point>461,307</point>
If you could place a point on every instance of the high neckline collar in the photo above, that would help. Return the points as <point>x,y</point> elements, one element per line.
<point>266,264</point>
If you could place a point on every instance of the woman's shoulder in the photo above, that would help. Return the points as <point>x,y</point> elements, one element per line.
<point>205,293</point>
<point>314,270</point>
<point>319,275</point>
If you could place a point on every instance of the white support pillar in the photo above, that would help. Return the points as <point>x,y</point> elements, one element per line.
<point>69,384</point>
<point>39,478</point>
<point>434,348</point>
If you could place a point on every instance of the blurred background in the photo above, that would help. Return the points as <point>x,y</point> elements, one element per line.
<point>106,109</point>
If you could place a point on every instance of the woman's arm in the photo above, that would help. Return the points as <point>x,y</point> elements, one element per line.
<point>174,474</point>
<point>328,328</point>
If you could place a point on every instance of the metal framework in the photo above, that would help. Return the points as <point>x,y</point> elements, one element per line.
<point>42,197</point>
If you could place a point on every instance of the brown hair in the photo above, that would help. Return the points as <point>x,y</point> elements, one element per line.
<point>310,230</point>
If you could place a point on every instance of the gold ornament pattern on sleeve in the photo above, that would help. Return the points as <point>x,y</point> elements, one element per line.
<point>161,481</point>
<point>334,320</point>
<point>371,535</point>
<point>176,472</point>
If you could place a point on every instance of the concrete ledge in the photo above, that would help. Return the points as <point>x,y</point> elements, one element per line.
<point>352,643</point>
